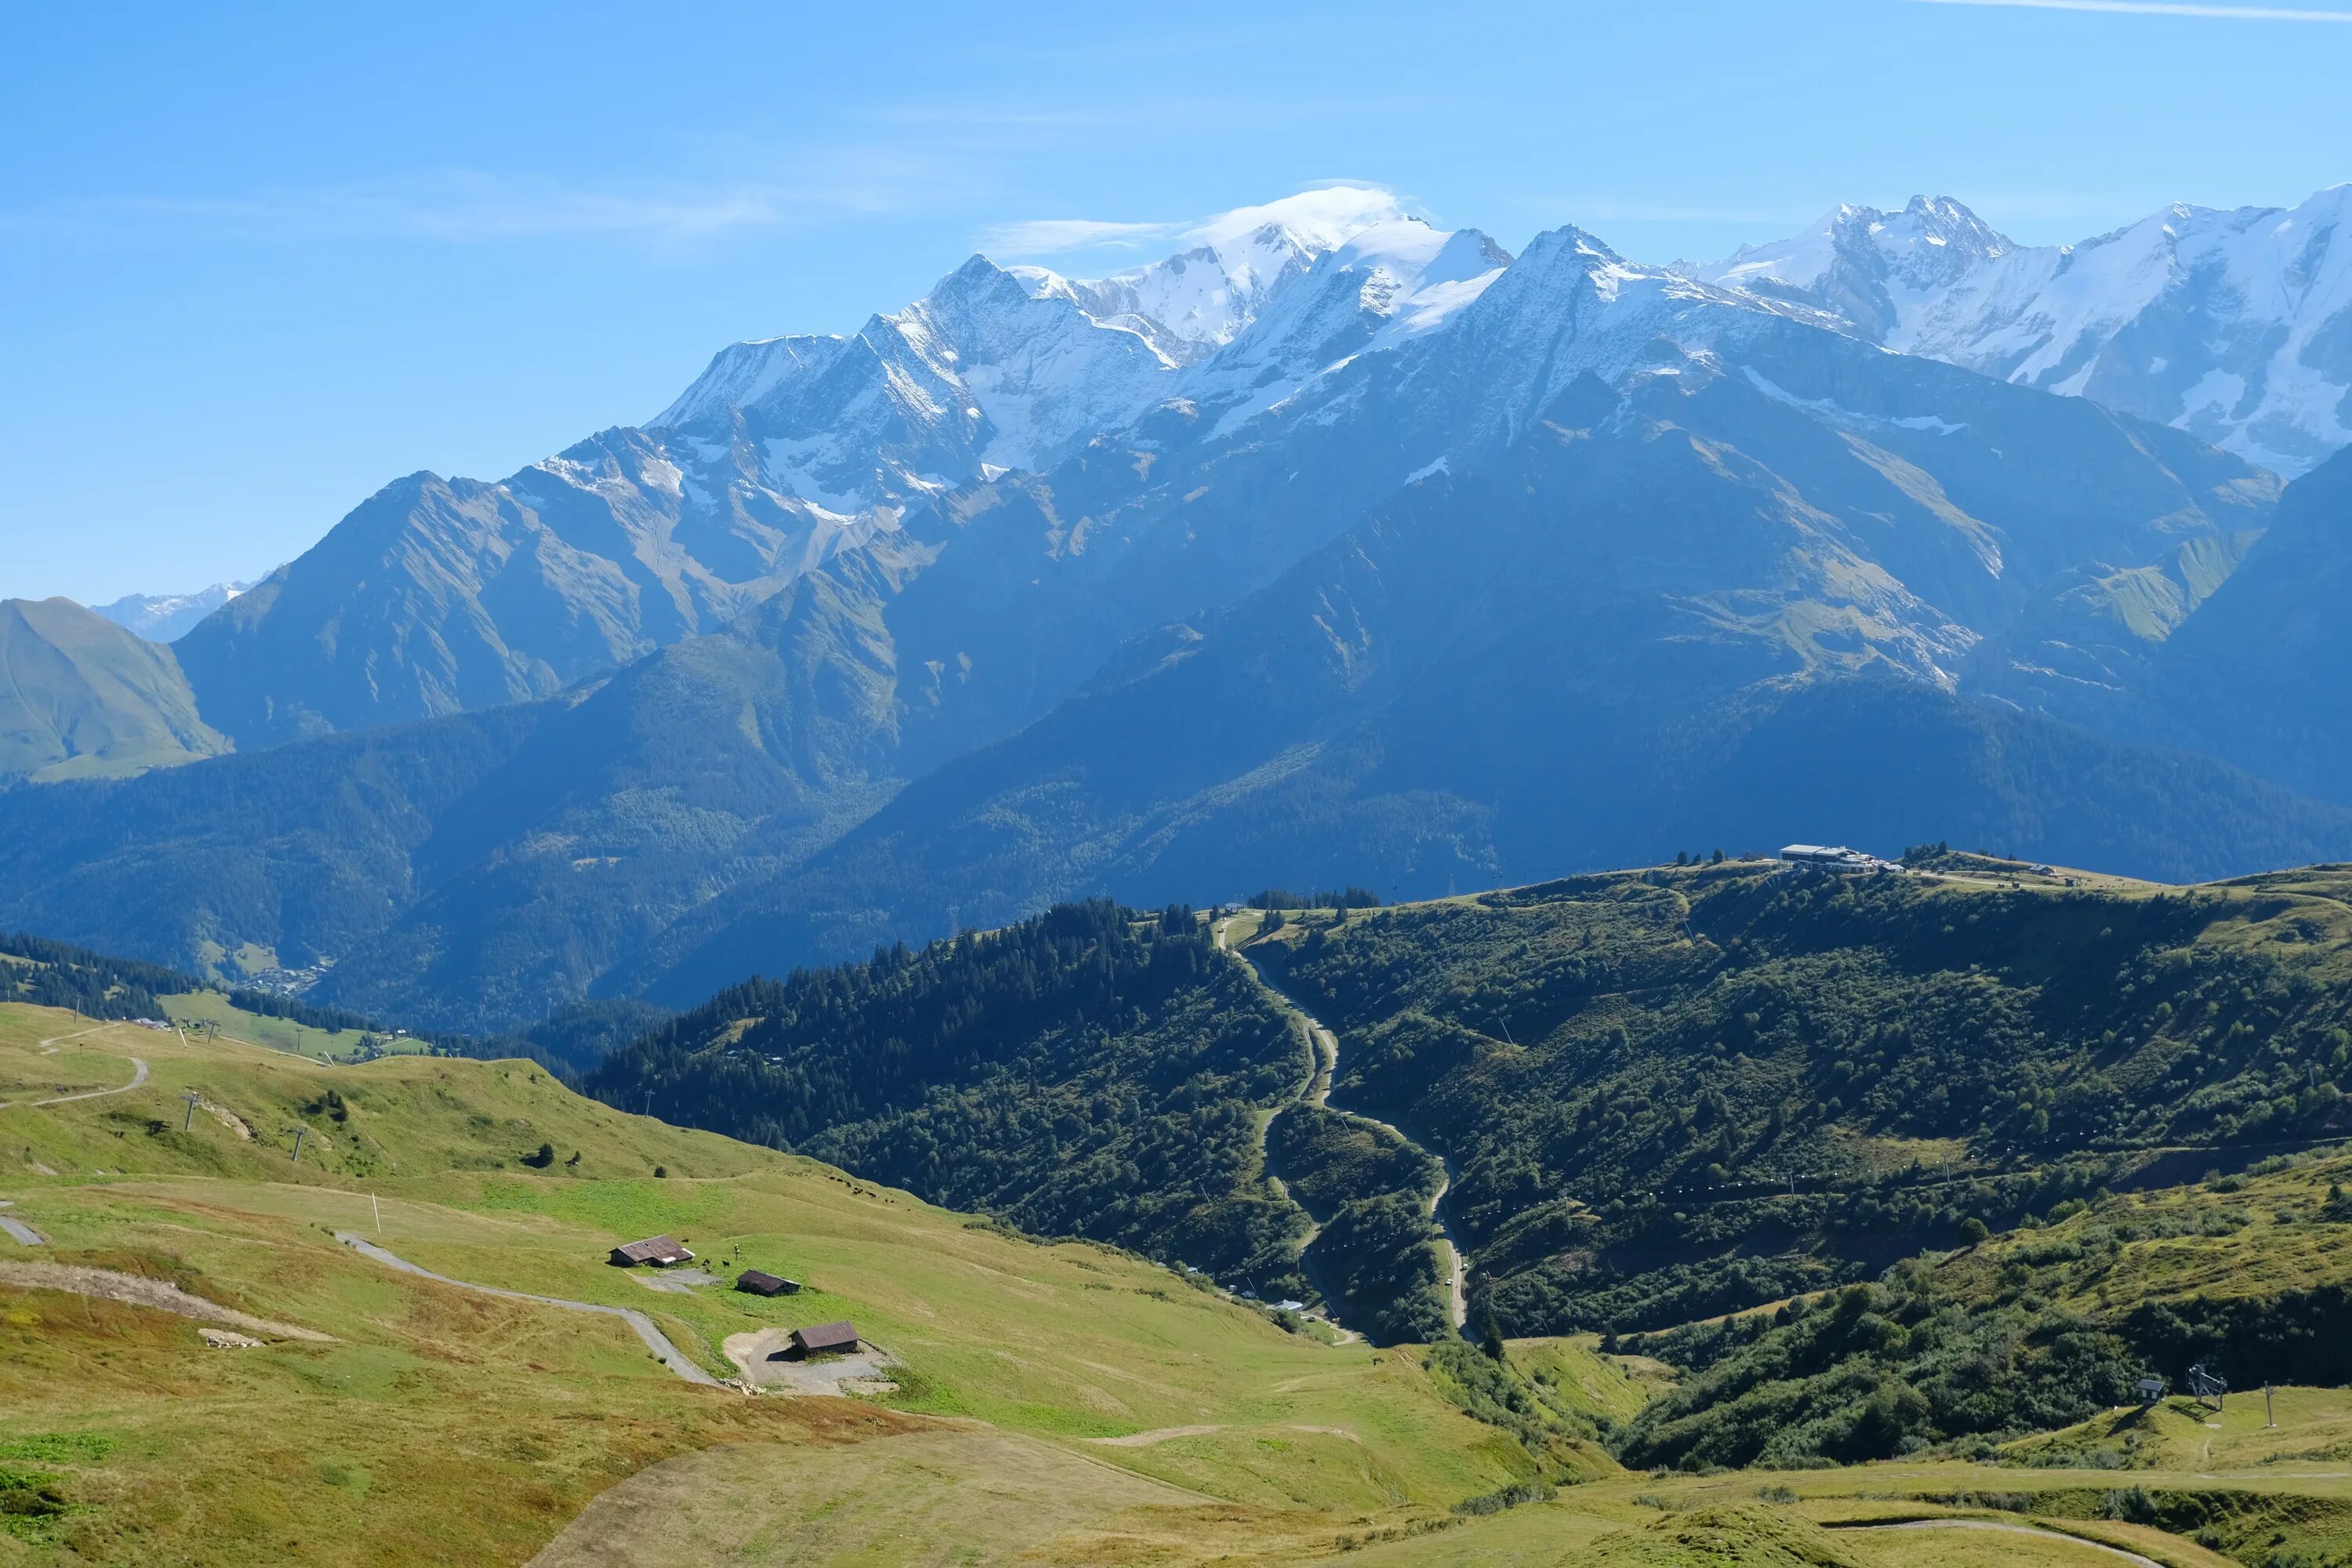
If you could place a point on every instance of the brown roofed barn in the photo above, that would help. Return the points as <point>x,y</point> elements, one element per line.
<point>825,1339</point>
<point>654,1250</point>
<point>759,1283</point>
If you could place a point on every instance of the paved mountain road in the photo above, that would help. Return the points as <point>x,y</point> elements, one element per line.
<point>49,1048</point>
<point>656,1341</point>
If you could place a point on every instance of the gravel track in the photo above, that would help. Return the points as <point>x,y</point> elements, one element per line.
<point>1318,1092</point>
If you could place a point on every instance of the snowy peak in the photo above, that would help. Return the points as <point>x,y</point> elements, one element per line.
<point>1864,264</point>
<point>1314,221</point>
<point>999,368</point>
<point>742,374</point>
<point>2236,325</point>
<point>166,618</point>
<point>1205,296</point>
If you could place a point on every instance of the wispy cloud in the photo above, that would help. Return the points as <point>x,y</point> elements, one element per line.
<point>469,207</point>
<point>1329,211</point>
<point>2162,9</point>
<point>1053,236</point>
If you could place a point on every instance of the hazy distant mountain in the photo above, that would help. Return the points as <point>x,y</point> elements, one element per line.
<point>2087,649</point>
<point>166,618</point>
<point>2236,325</point>
<point>2259,674</point>
<point>478,868</point>
<point>81,698</point>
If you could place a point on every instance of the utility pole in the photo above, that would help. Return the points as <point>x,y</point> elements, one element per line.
<point>379,1212</point>
<point>191,1097</point>
<point>299,1133</point>
<point>2269,1409</point>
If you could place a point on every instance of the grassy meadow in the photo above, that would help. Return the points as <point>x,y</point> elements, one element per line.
<point>501,1418</point>
<point>1058,1403</point>
<point>195,1009</point>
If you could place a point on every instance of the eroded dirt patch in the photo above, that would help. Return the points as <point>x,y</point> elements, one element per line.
<point>135,1291</point>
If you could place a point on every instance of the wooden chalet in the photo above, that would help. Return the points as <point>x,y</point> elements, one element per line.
<point>657,1250</point>
<point>825,1339</point>
<point>759,1283</point>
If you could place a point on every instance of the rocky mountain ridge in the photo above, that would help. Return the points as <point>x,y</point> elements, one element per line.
<point>2233,325</point>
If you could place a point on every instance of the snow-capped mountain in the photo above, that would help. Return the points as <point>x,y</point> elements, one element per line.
<point>1180,432</point>
<point>166,618</point>
<point>788,450</point>
<point>2235,325</point>
<point>1004,368</point>
<point>1199,300</point>
<point>1382,537</point>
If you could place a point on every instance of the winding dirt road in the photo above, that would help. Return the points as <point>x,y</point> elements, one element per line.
<point>2132,1557</point>
<point>1318,1093</point>
<point>50,1048</point>
<point>656,1341</point>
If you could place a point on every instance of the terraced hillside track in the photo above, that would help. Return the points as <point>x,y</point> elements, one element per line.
<point>669,1354</point>
<point>2099,1546</point>
<point>49,1048</point>
<point>137,1076</point>
<point>1318,1093</point>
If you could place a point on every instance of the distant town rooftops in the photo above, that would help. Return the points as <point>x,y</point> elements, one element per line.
<point>1834,854</point>
<point>654,1249</point>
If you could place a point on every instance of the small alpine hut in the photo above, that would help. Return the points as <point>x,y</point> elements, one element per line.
<point>657,1250</point>
<point>825,1339</point>
<point>759,1283</point>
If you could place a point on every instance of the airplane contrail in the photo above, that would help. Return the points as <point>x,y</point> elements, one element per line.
<point>2161,8</point>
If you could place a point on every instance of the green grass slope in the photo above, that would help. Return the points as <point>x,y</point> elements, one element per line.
<point>1680,1092</point>
<point>1053,1403</point>
<point>492,1421</point>
<point>83,698</point>
<point>1090,1072</point>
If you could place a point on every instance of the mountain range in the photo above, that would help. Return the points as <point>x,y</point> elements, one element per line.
<point>2235,325</point>
<point>1334,547</point>
<point>167,617</point>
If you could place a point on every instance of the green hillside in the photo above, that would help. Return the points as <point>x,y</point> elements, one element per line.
<point>496,1421</point>
<point>1089,1072</point>
<point>1660,1096</point>
<point>81,698</point>
<point>1052,1403</point>
<point>1675,1093</point>
<point>2039,1329</point>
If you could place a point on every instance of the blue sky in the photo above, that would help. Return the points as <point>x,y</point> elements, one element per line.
<point>253,268</point>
